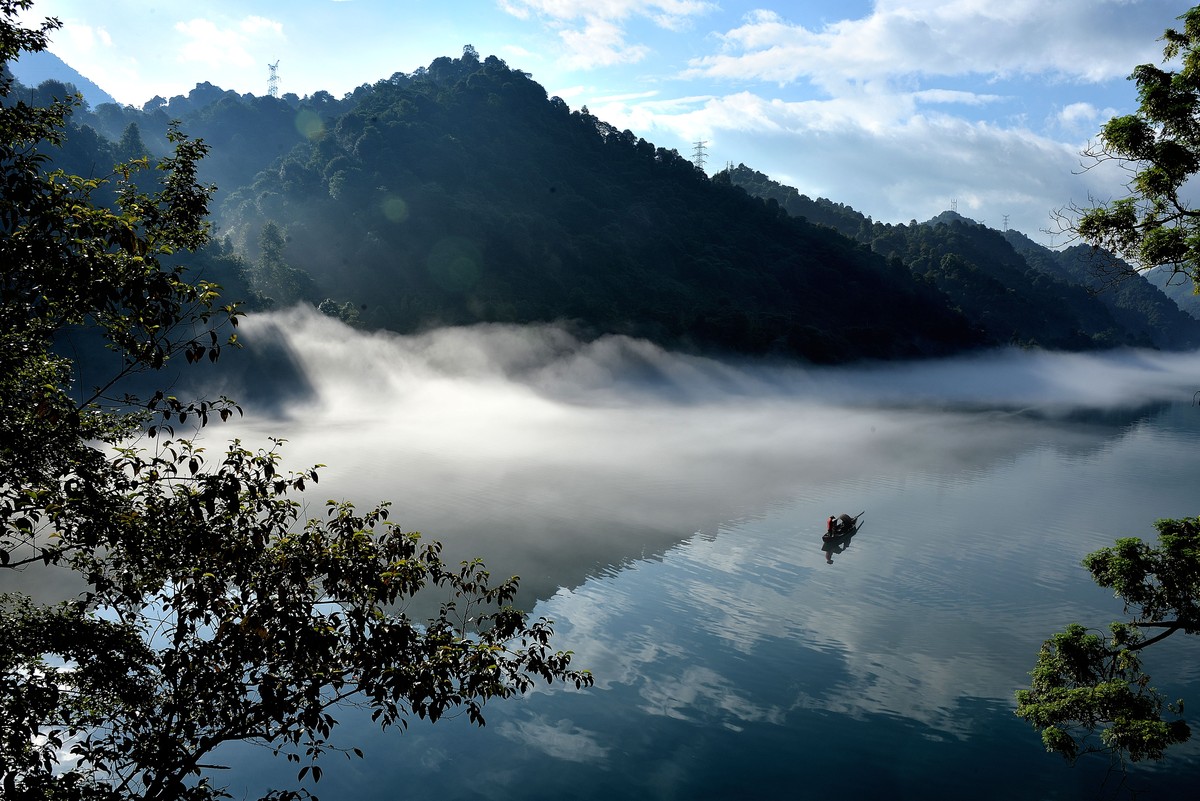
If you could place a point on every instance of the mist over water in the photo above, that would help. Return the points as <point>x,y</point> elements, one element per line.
<point>666,511</point>
<point>553,458</point>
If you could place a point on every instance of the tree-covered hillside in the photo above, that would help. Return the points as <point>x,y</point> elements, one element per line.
<point>1141,307</point>
<point>462,194</point>
<point>1178,288</point>
<point>1014,288</point>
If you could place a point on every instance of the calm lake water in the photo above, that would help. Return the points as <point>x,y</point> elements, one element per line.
<point>666,512</point>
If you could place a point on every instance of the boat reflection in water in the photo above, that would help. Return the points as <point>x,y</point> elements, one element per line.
<point>839,531</point>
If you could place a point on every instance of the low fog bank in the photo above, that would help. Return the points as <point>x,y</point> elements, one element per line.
<point>300,349</point>
<point>553,458</point>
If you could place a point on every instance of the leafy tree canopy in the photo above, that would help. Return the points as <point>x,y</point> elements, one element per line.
<point>209,610</point>
<point>1089,692</point>
<point>1159,144</point>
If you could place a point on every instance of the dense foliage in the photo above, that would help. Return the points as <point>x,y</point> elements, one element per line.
<point>461,193</point>
<point>1159,146</point>
<point>1088,691</point>
<point>195,605</point>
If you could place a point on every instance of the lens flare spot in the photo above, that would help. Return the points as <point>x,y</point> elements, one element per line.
<point>394,208</point>
<point>309,124</point>
<point>455,264</point>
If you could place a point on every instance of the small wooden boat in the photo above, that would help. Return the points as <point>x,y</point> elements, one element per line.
<point>844,526</point>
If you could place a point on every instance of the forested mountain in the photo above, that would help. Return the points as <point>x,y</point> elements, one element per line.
<point>1178,288</point>
<point>1139,305</point>
<point>1013,287</point>
<point>461,193</point>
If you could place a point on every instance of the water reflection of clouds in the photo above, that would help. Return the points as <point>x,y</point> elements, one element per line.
<point>560,739</point>
<point>555,458</point>
<point>922,619</point>
<point>900,658</point>
<point>699,693</point>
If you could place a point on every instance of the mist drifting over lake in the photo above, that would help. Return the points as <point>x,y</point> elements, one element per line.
<point>553,458</point>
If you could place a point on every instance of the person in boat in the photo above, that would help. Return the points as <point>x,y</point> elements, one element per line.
<point>846,524</point>
<point>831,526</point>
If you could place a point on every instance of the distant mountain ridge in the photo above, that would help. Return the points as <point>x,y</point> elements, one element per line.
<point>461,193</point>
<point>33,68</point>
<point>1005,281</point>
<point>1178,288</point>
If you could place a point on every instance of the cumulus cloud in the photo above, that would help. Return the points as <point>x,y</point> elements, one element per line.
<point>594,33</point>
<point>208,43</point>
<point>1082,118</point>
<point>893,156</point>
<point>1078,112</point>
<point>966,37</point>
<point>600,43</point>
<point>916,104</point>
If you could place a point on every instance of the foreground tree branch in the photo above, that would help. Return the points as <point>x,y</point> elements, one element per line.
<point>1155,225</point>
<point>212,612</point>
<point>1088,691</point>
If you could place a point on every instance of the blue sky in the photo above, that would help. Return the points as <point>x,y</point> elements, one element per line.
<point>898,108</point>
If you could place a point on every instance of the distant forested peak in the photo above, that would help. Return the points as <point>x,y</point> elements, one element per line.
<point>462,193</point>
<point>951,217</point>
<point>34,69</point>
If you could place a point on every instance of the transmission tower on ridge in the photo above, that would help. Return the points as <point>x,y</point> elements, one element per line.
<point>698,154</point>
<point>273,81</point>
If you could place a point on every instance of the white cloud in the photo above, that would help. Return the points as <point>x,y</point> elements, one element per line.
<point>254,25</point>
<point>518,52</point>
<point>880,153</point>
<point>967,37</point>
<point>903,119</point>
<point>631,96</point>
<point>667,13</point>
<point>82,39</point>
<point>599,43</point>
<point>90,50</point>
<point>1077,112</point>
<point>950,96</point>
<point>208,43</point>
<point>594,32</point>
